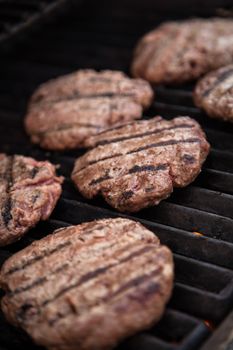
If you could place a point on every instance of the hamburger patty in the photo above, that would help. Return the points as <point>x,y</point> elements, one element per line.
<point>66,110</point>
<point>88,286</point>
<point>29,191</point>
<point>137,164</point>
<point>214,93</point>
<point>177,52</point>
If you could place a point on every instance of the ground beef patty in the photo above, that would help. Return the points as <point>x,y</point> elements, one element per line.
<point>176,52</point>
<point>87,287</point>
<point>214,93</point>
<point>29,191</point>
<point>138,164</point>
<point>64,111</point>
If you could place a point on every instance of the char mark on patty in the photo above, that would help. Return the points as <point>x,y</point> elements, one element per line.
<point>134,169</point>
<point>148,133</point>
<point>99,180</point>
<point>118,127</point>
<point>37,282</point>
<point>221,78</point>
<point>66,127</point>
<point>150,288</point>
<point>78,96</point>
<point>38,258</point>
<point>93,274</point>
<point>127,194</point>
<point>188,158</point>
<point>7,205</point>
<point>142,148</point>
<point>140,168</point>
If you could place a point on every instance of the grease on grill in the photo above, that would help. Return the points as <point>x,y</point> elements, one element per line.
<point>198,233</point>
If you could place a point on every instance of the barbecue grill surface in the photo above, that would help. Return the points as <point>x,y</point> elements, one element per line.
<point>20,16</point>
<point>195,222</point>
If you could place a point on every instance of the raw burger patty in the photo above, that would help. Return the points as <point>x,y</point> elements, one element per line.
<point>176,52</point>
<point>137,165</point>
<point>214,93</point>
<point>29,191</point>
<point>64,111</point>
<point>88,286</point>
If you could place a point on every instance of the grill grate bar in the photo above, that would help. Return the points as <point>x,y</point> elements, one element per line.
<point>204,199</point>
<point>16,16</point>
<point>191,220</point>
<point>180,241</point>
<point>178,214</point>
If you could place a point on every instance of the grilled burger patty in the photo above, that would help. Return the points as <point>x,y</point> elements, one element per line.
<point>176,52</point>
<point>29,191</point>
<point>88,286</point>
<point>64,111</point>
<point>214,93</point>
<point>137,164</point>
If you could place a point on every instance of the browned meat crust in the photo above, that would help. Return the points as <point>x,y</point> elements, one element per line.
<point>88,286</point>
<point>214,93</point>
<point>64,111</point>
<point>138,164</point>
<point>176,52</point>
<point>29,191</point>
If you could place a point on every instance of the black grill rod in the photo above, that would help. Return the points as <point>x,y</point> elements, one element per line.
<point>222,338</point>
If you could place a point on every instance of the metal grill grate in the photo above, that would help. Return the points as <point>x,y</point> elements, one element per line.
<point>203,294</point>
<point>17,16</point>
